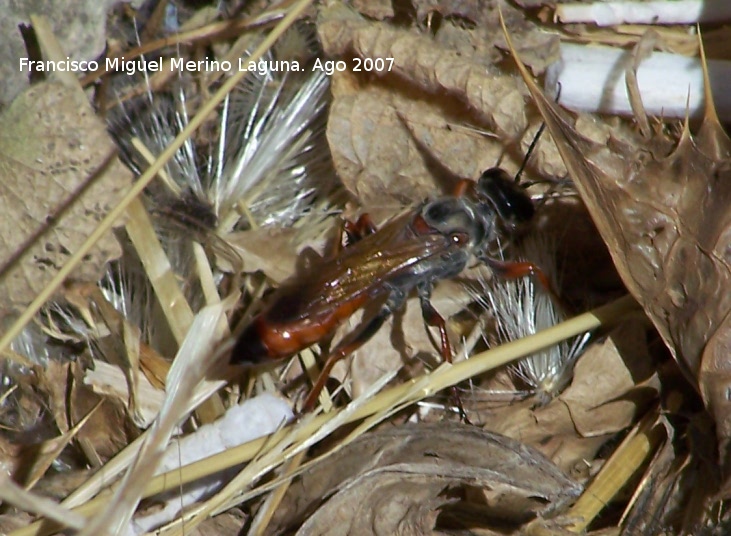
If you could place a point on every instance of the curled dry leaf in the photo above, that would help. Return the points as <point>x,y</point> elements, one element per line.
<point>664,213</point>
<point>428,66</point>
<point>226,523</point>
<point>69,400</point>
<point>391,133</point>
<point>397,481</point>
<point>624,383</point>
<point>538,49</point>
<point>60,177</point>
<point>15,521</point>
<point>375,9</point>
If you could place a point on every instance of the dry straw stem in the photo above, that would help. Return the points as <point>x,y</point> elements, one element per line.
<point>301,435</point>
<point>12,493</point>
<point>145,179</point>
<point>175,307</point>
<point>266,512</point>
<point>617,471</point>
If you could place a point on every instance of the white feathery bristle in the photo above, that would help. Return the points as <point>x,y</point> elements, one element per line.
<point>271,146</point>
<point>522,307</point>
<point>264,156</point>
<point>32,344</point>
<point>126,287</point>
<point>156,119</point>
<point>270,153</point>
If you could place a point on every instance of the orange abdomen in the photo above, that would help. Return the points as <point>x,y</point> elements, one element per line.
<point>266,338</point>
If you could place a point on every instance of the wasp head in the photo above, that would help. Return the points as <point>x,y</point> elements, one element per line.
<point>506,197</point>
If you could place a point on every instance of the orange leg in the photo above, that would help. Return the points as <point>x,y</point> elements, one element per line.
<point>513,270</point>
<point>363,227</point>
<point>433,318</point>
<point>347,347</point>
<point>351,232</point>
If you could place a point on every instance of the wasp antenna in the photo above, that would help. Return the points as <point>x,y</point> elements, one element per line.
<point>536,138</point>
<point>528,153</point>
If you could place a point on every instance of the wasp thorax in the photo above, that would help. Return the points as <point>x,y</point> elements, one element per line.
<point>459,217</point>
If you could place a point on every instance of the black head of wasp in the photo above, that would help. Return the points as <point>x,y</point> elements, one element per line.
<point>435,240</point>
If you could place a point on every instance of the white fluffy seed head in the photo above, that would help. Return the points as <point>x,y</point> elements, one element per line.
<point>262,161</point>
<point>522,307</point>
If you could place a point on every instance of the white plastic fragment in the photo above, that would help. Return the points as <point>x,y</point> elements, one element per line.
<point>658,12</point>
<point>592,79</point>
<point>254,418</point>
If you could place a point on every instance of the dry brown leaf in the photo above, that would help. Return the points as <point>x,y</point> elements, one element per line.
<point>267,249</point>
<point>154,366</point>
<point>25,406</point>
<point>391,147</point>
<point>124,337</point>
<point>58,486</point>
<point>375,9</point>
<point>538,49</point>
<point>372,152</point>
<point>395,482</point>
<point>12,522</point>
<point>227,523</point>
<point>663,212</point>
<point>53,151</point>
<point>31,454</point>
<point>422,62</point>
<point>613,382</point>
<point>108,429</point>
<point>392,134</point>
<point>624,382</point>
<point>108,381</point>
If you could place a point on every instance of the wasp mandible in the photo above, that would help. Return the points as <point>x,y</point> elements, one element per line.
<point>433,241</point>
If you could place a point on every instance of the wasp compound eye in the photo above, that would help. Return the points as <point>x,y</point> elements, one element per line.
<point>510,200</point>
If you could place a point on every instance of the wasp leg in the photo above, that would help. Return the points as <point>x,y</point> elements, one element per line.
<point>513,270</point>
<point>433,318</point>
<point>344,349</point>
<point>361,228</point>
<point>351,232</point>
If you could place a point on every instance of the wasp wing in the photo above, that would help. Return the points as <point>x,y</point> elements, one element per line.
<point>360,270</point>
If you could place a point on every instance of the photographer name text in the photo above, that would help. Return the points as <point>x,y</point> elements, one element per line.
<point>131,67</point>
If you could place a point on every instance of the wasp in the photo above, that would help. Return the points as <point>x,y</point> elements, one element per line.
<point>412,252</point>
